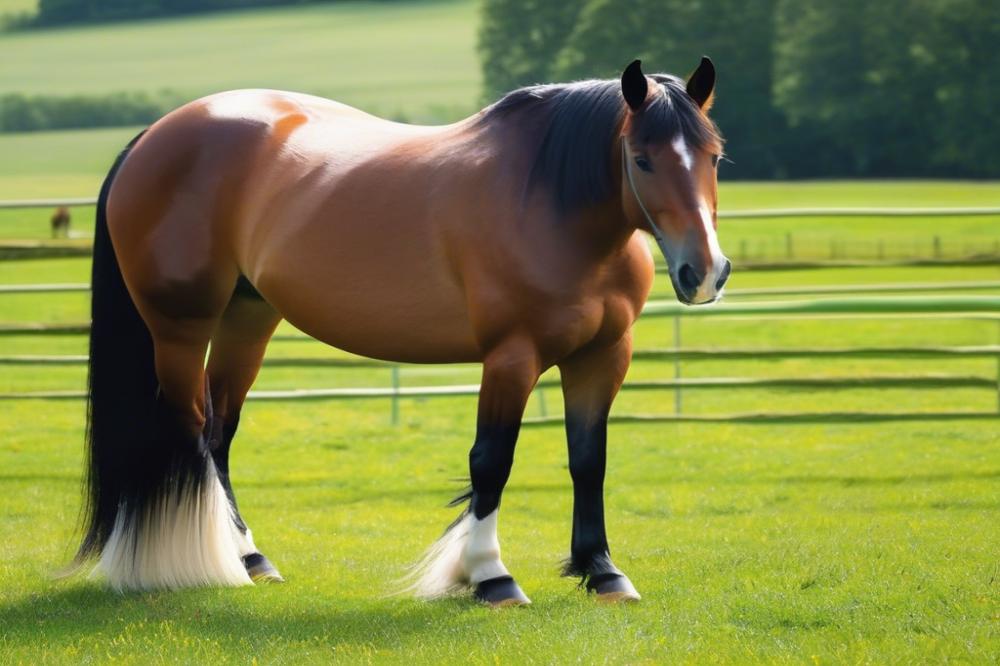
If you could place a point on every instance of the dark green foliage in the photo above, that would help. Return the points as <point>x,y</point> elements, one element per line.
<point>807,88</point>
<point>520,39</point>
<point>894,87</point>
<point>51,12</point>
<point>23,113</point>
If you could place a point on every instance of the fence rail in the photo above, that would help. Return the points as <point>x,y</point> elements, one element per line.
<point>898,288</point>
<point>836,211</point>
<point>931,381</point>
<point>49,203</point>
<point>947,211</point>
<point>982,305</point>
<point>686,354</point>
<point>952,305</point>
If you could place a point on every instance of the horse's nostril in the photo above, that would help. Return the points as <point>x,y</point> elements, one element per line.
<point>688,278</point>
<point>726,270</point>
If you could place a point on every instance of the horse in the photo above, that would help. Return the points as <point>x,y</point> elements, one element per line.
<point>59,222</point>
<point>514,238</point>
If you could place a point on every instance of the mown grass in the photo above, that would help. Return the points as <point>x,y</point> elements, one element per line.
<point>415,59</point>
<point>779,544</point>
<point>815,543</point>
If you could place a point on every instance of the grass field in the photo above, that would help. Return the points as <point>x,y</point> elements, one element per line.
<point>822,543</point>
<point>413,58</point>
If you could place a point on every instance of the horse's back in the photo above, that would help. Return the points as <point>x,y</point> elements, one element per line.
<point>314,201</point>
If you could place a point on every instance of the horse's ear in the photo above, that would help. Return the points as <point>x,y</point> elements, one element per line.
<point>634,85</point>
<point>701,84</point>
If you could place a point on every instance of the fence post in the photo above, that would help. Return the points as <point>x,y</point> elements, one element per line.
<point>395,395</point>
<point>743,250</point>
<point>788,246</point>
<point>937,247</point>
<point>677,363</point>
<point>540,392</point>
<point>998,369</point>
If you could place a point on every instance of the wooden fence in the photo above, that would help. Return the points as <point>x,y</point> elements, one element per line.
<point>805,250</point>
<point>956,306</point>
<point>851,211</point>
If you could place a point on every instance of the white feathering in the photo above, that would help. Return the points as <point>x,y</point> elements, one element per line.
<point>188,540</point>
<point>468,553</point>
<point>439,572</point>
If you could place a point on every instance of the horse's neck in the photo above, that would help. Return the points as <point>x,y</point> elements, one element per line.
<point>603,229</point>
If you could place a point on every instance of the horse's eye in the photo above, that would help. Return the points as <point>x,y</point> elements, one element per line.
<point>643,164</point>
<point>715,161</point>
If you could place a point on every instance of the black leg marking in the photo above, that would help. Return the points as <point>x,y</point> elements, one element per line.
<point>490,461</point>
<point>219,445</point>
<point>590,557</point>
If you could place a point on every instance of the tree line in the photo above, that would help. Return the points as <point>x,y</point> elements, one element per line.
<point>30,113</point>
<point>55,12</point>
<point>807,88</point>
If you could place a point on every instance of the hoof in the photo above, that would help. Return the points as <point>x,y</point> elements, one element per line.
<point>612,588</point>
<point>501,592</point>
<point>261,570</point>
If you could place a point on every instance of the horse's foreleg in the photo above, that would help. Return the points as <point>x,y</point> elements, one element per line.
<point>237,351</point>
<point>590,380</point>
<point>468,555</point>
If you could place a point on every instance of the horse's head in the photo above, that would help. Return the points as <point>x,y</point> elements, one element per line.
<point>670,151</point>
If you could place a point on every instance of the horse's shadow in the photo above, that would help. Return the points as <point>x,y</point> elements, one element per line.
<point>67,612</point>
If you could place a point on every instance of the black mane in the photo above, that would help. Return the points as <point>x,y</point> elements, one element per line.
<point>577,124</point>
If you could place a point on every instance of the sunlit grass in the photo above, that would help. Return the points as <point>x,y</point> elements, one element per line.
<point>749,543</point>
<point>413,58</point>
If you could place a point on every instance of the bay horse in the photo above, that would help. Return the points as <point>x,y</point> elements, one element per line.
<point>59,222</point>
<point>512,238</point>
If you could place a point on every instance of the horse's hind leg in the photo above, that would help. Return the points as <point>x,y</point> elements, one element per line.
<point>236,353</point>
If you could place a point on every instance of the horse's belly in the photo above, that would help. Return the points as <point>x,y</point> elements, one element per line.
<point>384,301</point>
<point>345,234</point>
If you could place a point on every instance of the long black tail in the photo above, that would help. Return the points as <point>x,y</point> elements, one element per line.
<point>155,512</point>
<point>121,381</point>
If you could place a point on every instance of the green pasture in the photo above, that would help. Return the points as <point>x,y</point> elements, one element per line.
<point>412,59</point>
<point>818,543</point>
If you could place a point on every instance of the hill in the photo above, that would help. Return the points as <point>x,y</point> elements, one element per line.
<point>405,59</point>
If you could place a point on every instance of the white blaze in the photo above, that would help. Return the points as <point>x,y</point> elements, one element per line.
<point>680,147</point>
<point>706,290</point>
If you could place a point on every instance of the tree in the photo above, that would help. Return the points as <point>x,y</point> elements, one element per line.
<point>520,39</point>
<point>898,87</point>
<point>672,35</point>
